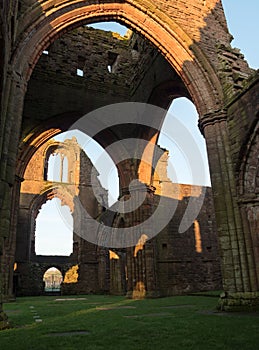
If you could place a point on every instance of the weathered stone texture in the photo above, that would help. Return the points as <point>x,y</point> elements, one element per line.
<point>56,91</point>
<point>194,39</point>
<point>55,76</point>
<point>243,115</point>
<point>189,261</point>
<point>36,189</point>
<point>173,262</point>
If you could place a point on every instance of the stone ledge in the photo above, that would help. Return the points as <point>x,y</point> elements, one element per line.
<point>239,301</point>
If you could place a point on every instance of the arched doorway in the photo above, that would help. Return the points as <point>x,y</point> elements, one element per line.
<point>52,279</point>
<point>37,191</point>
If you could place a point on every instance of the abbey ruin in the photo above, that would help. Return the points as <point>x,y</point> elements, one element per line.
<point>58,74</point>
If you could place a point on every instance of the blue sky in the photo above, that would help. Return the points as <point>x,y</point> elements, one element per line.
<point>243,23</point>
<point>242,18</point>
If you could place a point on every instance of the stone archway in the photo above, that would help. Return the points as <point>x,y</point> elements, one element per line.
<point>36,190</point>
<point>153,25</point>
<point>189,46</point>
<point>189,61</point>
<point>52,279</point>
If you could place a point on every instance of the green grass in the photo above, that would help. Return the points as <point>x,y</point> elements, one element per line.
<point>184,322</point>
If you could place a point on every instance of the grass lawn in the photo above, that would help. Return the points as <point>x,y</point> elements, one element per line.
<point>109,322</point>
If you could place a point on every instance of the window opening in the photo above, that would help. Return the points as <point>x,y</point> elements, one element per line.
<point>79,72</point>
<point>54,229</point>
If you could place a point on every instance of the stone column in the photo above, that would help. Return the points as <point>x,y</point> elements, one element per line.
<point>3,317</point>
<point>11,110</point>
<point>238,270</point>
<point>8,258</point>
<point>250,215</point>
<point>140,258</point>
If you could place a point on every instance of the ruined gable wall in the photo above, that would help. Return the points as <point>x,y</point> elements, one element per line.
<point>55,87</point>
<point>203,21</point>
<point>205,27</point>
<point>189,261</point>
<point>35,191</point>
<point>186,261</point>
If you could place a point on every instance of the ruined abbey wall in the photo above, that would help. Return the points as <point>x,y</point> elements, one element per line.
<point>76,179</point>
<point>194,39</point>
<point>115,69</point>
<point>185,261</point>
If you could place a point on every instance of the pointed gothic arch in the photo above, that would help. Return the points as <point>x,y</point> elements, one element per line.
<point>185,56</point>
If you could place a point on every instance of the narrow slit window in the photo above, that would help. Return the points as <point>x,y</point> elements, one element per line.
<point>79,72</point>
<point>112,57</point>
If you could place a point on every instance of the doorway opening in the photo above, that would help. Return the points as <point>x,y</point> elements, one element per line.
<point>52,279</point>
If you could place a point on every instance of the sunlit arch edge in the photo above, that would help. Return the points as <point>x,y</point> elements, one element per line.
<point>203,87</point>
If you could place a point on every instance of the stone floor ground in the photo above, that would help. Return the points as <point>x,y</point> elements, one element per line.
<point>109,322</point>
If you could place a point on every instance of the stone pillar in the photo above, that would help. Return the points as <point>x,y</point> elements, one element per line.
<point>88,272</point>
<point>3,318</point>
<point>11,110</point>
<point>249,196</point>
<point>238,269</point>
<point>250,216</point>
<point>10,244</point>
<point>103,270</point>
<point>117,272</point>
<point>140,259</point>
